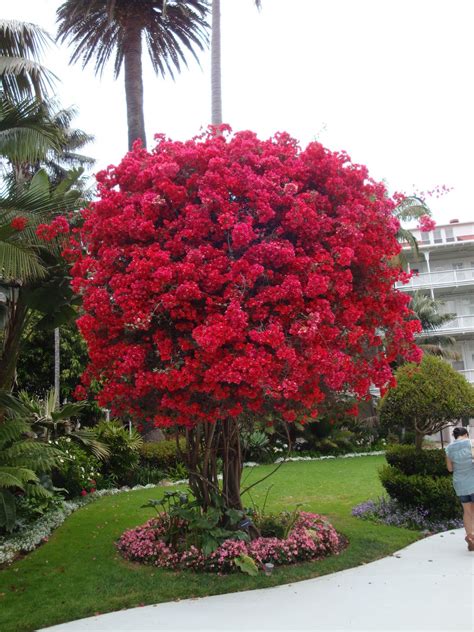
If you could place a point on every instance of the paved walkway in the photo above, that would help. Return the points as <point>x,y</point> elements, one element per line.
<point>426,586</point>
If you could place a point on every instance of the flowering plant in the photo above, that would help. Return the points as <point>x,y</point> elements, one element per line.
<point>311,537</point>
<point>426,223</point>
<point>227,276</point>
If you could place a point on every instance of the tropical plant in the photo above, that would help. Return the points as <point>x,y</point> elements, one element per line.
<point>216,89</point>
<point>427,398</point>
<point>49,422</point>
<point>21,74</point>
<point>22,461</point>
<point>428,311</point>
<point>123,447</point>
<point>98,29</point>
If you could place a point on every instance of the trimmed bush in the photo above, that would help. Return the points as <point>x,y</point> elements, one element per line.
<point>409,460</point>
<point>433,493</point>
<point>162,455</point>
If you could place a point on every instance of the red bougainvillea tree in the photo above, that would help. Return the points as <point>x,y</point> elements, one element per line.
<point>227,277</point>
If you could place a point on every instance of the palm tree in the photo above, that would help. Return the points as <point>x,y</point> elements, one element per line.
<point>21,74</point>
<point>427,311</point>
<point>99,28</point>
<point>216,88</point>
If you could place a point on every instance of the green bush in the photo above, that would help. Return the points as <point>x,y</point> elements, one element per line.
<point>124,449</point>
<point>79,471</point>
<point>162,455</point>
<point>433,493</point>
<point>147,474</point>
<point>409,460</point>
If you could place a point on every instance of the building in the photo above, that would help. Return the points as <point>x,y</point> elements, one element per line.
<point>445,270</point>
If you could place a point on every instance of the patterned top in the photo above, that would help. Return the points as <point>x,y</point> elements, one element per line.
<point>460,454</point>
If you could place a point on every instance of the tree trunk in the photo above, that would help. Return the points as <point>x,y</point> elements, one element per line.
<point>205,444</point>
<point>16,317</point>
<point>132,55</point>
<point>216,90</point>
<point>57,367</point>
<point>419,436</point>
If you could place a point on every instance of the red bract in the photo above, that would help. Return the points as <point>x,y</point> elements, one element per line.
<point>19,223</point>
<point>58,226</point>
<point>230,274</point>
<point>426,223</point>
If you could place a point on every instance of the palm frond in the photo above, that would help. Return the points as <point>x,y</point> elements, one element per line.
<point>23,43</point>
<point>90,441</point>
<point>98,29</point>
<point>26,132</point>
<point>411,208</point>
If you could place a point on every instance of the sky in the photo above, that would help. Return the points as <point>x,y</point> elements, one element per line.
<point>390,82</point>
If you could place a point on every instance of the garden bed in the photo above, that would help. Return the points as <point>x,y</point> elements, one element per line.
<point>310,537</point>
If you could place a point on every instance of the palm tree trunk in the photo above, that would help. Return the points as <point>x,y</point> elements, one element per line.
<point>57,366</point>
<point>11,343</point>
<point>216,90</point>
<point>132,52</point>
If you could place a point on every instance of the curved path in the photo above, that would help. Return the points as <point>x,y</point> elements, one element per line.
<point>427,586</point>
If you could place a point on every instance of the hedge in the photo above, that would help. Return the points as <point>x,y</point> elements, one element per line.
<point>409,460</point>
<point>433,493</point>
<point>162,455</point>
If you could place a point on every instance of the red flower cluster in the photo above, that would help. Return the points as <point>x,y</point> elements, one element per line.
<point>426,224</point>
<point>58,226</point>
<point>19,223</point>
<point>229,274</point>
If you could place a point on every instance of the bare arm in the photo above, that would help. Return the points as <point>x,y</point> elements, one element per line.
<point>449,464</point>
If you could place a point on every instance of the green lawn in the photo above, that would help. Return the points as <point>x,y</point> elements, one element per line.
<point>78,572</point>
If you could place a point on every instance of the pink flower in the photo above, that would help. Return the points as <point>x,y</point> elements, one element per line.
<point>426,223</point>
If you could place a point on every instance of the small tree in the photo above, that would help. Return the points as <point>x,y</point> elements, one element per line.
<point>428,397</point>
<point>229,279</point>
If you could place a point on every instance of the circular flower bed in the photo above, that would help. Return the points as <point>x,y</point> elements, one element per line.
<point>311,537</point>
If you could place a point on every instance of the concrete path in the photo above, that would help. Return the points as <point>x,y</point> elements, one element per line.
<point>427,586</point>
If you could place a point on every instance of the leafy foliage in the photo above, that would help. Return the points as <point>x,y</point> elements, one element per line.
<point>22,460</point>
<point>409,460</point>
<point>434,493</point>
<point>428,397</point>
<point>123,451</point>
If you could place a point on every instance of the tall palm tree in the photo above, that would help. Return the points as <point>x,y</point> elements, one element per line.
<point>99,29</point>
<point>216,88</point>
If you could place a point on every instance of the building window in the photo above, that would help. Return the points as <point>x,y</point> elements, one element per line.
<point>438,238</point>
<point>425,238</point>
<point>458,365</point>
<point>449,232</point>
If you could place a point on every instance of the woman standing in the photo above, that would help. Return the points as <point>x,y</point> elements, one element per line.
<point>459,460</point>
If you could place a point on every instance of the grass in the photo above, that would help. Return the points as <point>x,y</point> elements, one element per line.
<point>78,573</point>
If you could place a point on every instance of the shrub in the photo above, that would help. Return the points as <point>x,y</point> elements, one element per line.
<point>256,446</point>
<point>427,398</point>
<point>409,460</point>
<point>124,449</point>
<point>162,455</point>
<point>433,493</point>
<point>79,472</point>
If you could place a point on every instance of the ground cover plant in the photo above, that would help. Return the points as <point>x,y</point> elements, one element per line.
<point>79,572</point>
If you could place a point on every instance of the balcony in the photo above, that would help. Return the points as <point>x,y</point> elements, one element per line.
<point>459,325</point>
<point>443,278</point>
<point>468,374</point>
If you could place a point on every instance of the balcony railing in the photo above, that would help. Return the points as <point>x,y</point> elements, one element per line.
<point>457,325</point>
<point>443,278</point>
<point>468,374</point>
